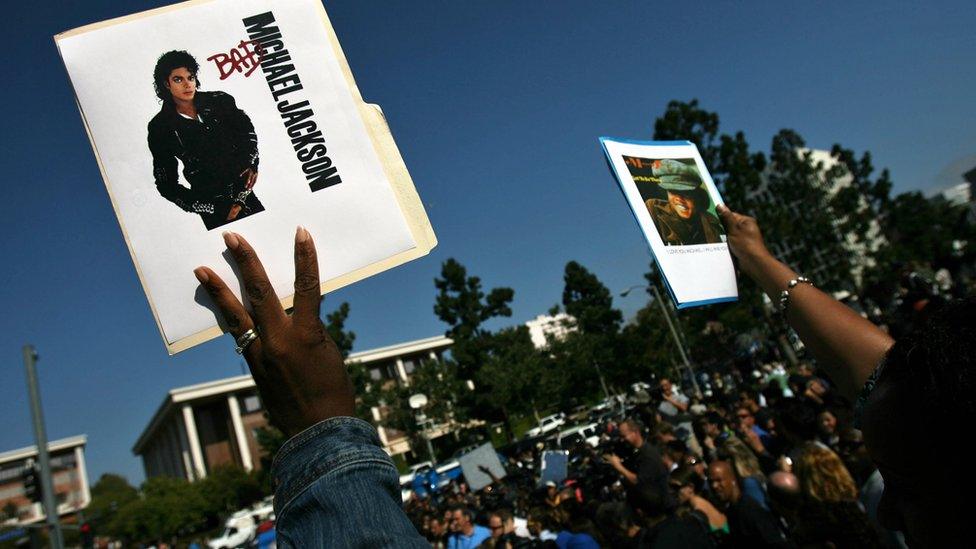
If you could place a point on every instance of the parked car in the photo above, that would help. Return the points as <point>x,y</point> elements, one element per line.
<point>238,530</point>
<point>446,472</point>
<point>587,432</point>
<point>408,477</point>
<point>547,424</point>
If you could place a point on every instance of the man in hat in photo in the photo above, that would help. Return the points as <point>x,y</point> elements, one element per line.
<point>683,219</point>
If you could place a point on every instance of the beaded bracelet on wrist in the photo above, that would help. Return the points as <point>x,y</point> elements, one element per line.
<point>784,296</point>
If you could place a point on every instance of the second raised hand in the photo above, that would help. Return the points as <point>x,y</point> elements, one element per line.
<point>296,366</point>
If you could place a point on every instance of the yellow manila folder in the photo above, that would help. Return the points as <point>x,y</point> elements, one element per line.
<point>239,115</point>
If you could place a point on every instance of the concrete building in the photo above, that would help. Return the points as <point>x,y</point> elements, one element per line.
<point>960,195</point>
<point>69,476</point>
<point>545,328</point>
<point>200,427</point>
<point>395,364</point>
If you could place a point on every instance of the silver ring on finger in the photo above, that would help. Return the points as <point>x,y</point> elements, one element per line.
<point>245,340</point>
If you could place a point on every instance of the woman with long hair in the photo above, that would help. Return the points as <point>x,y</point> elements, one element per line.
<point>747,469</point>
<point>829,512</point>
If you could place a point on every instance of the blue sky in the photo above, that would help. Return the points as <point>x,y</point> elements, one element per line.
<point>496,107</point>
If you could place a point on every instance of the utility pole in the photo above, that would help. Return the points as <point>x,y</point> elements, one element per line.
<point>40,438</point>
<point>674,332</point>
<point>603,383</point>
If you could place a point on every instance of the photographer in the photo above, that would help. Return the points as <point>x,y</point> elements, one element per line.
<point>647,470</point>
<point>674,404</point>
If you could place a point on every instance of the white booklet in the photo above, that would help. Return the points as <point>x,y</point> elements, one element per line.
<point>673,198</point>
<point>239,115</point>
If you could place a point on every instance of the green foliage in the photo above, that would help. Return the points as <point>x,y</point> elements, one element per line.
<point>588,349</point>
<point>644,348</point>
<point>367,395</point>
<point>587,300</point>
<point>167,508</point>
<point>228,489</point>
<point>866,198</point>
<point>335,325</point>
<point>9,510</point>
<point>516,379</point>
<point>111,493</point>
<point>464,307</point>
<point>438,380</point>
<point>270,439</point>
<point>923,230</point>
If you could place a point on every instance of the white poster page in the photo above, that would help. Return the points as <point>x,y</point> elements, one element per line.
<point>238,115</point>
<point>673,198</point>
<point>472,462</point>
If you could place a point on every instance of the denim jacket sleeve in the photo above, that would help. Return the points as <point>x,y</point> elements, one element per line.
<point>336,487</point>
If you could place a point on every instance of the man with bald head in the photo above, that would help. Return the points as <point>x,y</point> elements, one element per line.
<point>749,524</point>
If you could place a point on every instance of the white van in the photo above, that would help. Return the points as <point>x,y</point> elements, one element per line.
<point>588,433</point>
<point>238,530</point>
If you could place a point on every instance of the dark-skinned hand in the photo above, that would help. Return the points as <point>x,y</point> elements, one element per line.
<point>296,366</point>
<point>744,238</point>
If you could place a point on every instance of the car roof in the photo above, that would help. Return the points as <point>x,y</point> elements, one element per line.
<point>577,428</point>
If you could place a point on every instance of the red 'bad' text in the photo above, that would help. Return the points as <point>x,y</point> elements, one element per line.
<point>245,58</point>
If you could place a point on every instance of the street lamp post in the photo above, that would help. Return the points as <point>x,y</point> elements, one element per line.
<point>417,402</point>
<point>674,332</point>
<point>40,437</point>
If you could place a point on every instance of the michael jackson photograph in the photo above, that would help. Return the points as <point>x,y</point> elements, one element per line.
<point>211,137</point>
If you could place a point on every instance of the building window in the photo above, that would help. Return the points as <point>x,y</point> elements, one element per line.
<point>11,492</point>
<point>409,366</point>
<point>65,477</point>
<point>252,404</point>
<point>11,472</point>
<point>63,461</point>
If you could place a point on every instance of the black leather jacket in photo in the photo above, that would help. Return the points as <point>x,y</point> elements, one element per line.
<point>214,150</point>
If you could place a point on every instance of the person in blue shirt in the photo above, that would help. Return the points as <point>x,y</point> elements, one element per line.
<point>465,534</point>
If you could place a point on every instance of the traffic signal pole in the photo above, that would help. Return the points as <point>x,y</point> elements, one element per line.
<point>40,438</point>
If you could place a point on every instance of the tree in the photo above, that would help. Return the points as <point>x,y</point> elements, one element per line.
<point>517,379</point>
<point>586,353</point>
<point>9,510</point>
<point>922,234</point>
<point>587,300</point>
<point>111,493</point>
<point>869,197</point>
<point>738,172</point>
<point>366,393</point>
<point>439,382</point>
<point>464,307</point>
<point>227,489</point>
<point>335,325</point>
<point>167,508</point>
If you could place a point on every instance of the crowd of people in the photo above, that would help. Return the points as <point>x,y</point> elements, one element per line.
<point>845,455</point>
<point>766,459</point>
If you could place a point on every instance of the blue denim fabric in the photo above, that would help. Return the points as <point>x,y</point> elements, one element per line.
<point>336,487</point>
